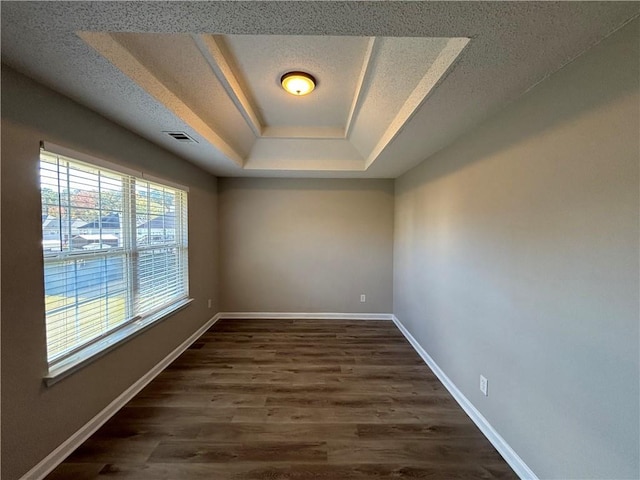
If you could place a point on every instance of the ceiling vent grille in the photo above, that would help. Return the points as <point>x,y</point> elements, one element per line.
<point>181,137</point>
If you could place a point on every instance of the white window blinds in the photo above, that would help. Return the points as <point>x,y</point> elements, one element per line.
<point>115,250</point>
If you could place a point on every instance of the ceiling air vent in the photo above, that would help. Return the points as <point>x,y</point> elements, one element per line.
<point>181,137</point>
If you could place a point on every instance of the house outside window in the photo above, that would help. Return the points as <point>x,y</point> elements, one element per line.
<point>115,252</point>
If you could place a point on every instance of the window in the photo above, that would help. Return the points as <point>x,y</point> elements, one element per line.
<point>115,252</point>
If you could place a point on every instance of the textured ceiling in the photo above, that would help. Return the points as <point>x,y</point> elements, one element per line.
<point>260,61</point>
<point>367,90</point>
<point>397,81</point>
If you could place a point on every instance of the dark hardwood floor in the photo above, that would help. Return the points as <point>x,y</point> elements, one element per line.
<point>291,399</point>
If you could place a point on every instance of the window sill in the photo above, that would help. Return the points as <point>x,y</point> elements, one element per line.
<point>94,351</point>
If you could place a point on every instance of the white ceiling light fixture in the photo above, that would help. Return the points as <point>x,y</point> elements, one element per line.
<point>298,83</point>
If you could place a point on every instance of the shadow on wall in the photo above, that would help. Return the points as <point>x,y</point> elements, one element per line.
<point>91,134</point>
<point>605,86</point>
<point>309,185</point>
<point>306,245</point>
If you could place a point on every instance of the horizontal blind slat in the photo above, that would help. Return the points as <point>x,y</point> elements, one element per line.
<point>89,250</point>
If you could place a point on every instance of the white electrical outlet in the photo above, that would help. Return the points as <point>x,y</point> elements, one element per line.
<point>363,298</point>
<point>484,385</point>
<point>209,303</point>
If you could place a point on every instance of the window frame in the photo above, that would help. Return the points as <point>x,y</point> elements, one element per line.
<point>81,355</point>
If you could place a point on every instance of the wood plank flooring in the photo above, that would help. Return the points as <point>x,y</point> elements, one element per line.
<point>294,400</point>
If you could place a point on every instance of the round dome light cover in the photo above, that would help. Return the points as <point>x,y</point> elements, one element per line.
<point>298,83</point>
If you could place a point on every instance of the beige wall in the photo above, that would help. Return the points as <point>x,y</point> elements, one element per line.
<point>516,257</point>
<point>36,419</point>
<point>314,245</point>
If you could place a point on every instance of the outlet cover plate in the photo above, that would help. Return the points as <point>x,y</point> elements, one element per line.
<point>484,385</point>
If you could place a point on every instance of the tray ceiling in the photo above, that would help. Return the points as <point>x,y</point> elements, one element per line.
<point>396,81</point>
<point>227,89</point>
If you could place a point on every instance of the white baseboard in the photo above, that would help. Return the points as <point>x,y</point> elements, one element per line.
<point>304,315</point>
<point>501,445</point>
<point>51,461</point>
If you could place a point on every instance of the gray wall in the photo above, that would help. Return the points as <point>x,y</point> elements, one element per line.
<point>36,419</point>
<point>314,245</point>
<point>516,256</point>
